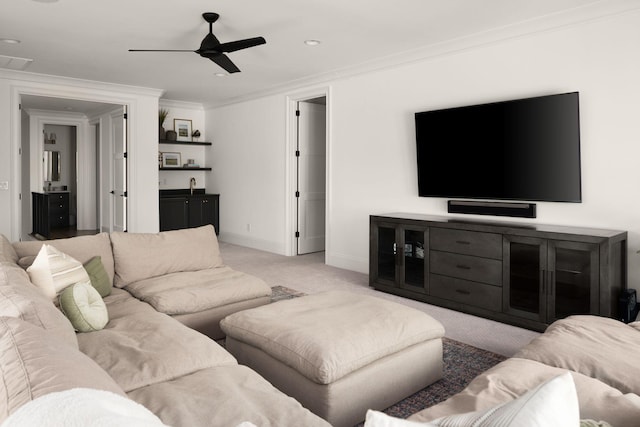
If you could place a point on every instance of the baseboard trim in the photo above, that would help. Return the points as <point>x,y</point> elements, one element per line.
<point>250,242</point>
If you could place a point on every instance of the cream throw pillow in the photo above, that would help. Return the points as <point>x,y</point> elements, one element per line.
<point>551,404</point>
<point>52,271</point>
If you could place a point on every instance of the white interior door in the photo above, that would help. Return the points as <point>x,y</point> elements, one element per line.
<point>119,172</point>
<point>311,194</point>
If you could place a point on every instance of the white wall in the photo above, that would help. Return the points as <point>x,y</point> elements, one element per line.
<point>372,139</point>
<point>249,172</point>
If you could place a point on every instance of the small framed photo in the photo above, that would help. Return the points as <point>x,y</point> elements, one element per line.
<point>171,160</point>
<point>183,129</point>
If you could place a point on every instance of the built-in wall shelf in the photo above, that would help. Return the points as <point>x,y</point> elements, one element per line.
<point>185,169</point>
<point>166,141</point>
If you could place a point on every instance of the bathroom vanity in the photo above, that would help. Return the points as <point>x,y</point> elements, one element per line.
<point>50,210</point>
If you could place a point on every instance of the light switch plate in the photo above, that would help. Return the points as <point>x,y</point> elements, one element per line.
<point>4,185</point>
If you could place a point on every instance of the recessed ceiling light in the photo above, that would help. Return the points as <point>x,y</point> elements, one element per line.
<point>220,75</point>
<point>312,42</point>
<point>46,1</point>
<point>10,41</point>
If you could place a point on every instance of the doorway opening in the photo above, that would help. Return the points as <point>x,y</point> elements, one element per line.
<point>310,175</point>
<point>81,137</point>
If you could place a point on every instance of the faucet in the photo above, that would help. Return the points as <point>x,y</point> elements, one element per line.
<point>192,184</point>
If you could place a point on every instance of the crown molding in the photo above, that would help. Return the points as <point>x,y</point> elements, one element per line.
<point>172,103</point>
<point>47,79</point>
<point>55,114</point>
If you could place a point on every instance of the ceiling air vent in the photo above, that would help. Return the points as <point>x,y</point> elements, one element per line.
<point>14,63</point>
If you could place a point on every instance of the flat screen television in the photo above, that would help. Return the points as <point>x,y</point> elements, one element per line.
<point>523,149</point>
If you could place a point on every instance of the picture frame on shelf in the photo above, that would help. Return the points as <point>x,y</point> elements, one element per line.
<point>171,160</point>
<point>183,129</point>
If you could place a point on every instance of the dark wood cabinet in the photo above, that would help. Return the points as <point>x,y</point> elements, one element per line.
<point>186,211</point>
<point>400,256</point>
<point>526,275</point>
<point>49,210</point>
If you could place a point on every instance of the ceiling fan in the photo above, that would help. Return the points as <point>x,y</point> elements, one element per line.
<point>212,48</point>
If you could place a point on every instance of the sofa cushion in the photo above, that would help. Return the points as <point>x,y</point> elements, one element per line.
<point>140,346</point>
<point>53,270</point>
<point>7,252</point>
<point>515,376</point>
<point>20,298</point>
<point>194,291</point>
<point>84,307</point>
<point>139,256</point>
<point>581,343</point>
<point>551,404</point>
<point>82,248</point>
<point>98,275</point>
<point>224,396</point>
<point>33,363</point>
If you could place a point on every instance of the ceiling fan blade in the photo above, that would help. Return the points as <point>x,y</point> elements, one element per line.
<point>224,61</point>
<point>161,50</point>
<point>240,44</point>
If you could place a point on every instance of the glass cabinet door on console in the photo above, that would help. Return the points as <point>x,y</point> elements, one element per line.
<point>573,268</point>
<point>524,264</point>
<point>548,280</point>
<point>398,256</point>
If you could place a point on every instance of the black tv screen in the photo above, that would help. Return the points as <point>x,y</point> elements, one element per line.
<point>524,149</point>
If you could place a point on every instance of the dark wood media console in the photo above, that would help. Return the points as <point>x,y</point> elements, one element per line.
<point>521,274</point>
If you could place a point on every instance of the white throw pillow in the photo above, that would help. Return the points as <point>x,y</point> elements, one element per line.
<point>52,271</point>
<point>551,404</point>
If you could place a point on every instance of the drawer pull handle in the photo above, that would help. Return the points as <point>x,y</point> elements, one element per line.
<point>463,292</point>
<point>463,267</point>
<point>463,242</point>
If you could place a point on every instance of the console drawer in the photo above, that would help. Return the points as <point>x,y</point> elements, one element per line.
<point>487,245</point>
<point>466,292</point>
<point>467,267</point>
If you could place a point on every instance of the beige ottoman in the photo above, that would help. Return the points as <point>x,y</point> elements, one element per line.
<point>339,353</point>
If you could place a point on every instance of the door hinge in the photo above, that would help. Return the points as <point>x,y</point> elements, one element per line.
<point>297,113</point>
<point>125,194</point>
<point>124,155</point>
<point>19,196</point>
<point>20,151</point>
<point>126,116</point>
<point>297,153</point>
<point>19,106</point>
<point>297,234</point>
<point>297,194</point>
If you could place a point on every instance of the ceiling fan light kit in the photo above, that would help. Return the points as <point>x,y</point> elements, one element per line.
<point>212,49</point>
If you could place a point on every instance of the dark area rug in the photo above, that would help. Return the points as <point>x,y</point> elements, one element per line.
<point>462,363</point>
<point>279,293</point>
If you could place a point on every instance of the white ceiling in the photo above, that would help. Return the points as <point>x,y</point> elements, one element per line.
<point>89,39</point>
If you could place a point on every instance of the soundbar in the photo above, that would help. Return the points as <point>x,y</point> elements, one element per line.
<point>521,210</point>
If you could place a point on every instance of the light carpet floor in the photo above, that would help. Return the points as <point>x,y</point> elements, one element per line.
<point>309,274</point>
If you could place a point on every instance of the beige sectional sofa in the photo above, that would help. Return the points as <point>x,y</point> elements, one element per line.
<point>150,357</point>
<point>599,353</point>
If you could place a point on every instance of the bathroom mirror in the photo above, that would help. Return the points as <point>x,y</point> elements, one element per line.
<point>51,162</point>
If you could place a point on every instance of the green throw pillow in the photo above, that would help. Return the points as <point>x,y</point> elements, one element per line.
<point>84,307</point>
<point>98,275</point>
